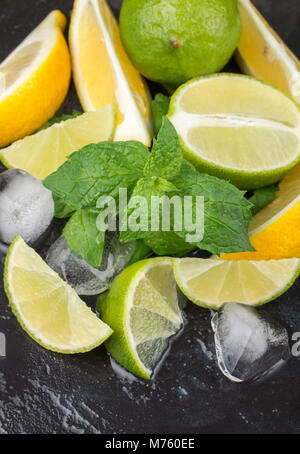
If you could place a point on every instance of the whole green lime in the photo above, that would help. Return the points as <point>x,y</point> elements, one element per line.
<point>172,41</point>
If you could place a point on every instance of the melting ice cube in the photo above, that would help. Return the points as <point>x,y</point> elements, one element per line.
<point>85,279</point>
<point>26,207</point>
<point>249,343</point>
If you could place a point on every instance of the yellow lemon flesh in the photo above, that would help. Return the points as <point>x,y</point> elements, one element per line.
<point>275,231</point>
<point>261,53</point>
<point>34,80</point>
<point>103,72</point>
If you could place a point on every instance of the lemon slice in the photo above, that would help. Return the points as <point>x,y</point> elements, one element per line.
<point>237,128</point>
<point>44,152</point>
<point>274,231</point>
<point>103,72</point>
<point>47,308</point>
<point>142,308</point>
<point>212,283</point>
<point>261,53</point>
<point>34,80</point>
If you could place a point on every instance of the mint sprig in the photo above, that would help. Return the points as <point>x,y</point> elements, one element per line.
<point>97,170</point>
<point>101,169</point>
<point>166,155</point>
<point>262,197</point>
<point>84,238</point>
<point>160,107</point>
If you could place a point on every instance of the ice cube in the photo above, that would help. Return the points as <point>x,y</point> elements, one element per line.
<point>249,343</point>
<point>26,206</point>
<point>85,279</point>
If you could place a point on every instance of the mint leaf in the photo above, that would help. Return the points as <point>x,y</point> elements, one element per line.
<point>141,251</point>
<point>84,238</point>
<point>160,107</point>
<point>262,197</point>
<point>60,118</point>
<point>145,188</point>
<point>166,155</point>
<point>61,210</point>
<point>160,242</point>
<point>168,243</point>
<point>226,211</point>
<point>98,170</point>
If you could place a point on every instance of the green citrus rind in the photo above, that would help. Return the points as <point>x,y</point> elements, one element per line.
<point>18,316</point>
<point>193,298</point>
<point>114,309</point>
<point>4,155</point>
<point>241,178</point>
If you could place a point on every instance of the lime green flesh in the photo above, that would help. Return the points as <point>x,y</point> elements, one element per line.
<point>211,283</point>
<point>173,41</point>
<point>44,152</point>
<point>142,309</point>
<point>46,307</point>
<point>237,128</point>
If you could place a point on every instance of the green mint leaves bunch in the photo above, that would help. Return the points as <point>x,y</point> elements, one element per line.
<point>102,169</point>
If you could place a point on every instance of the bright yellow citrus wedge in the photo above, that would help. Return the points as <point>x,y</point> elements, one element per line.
<point>44,152</point>
<point>47,308</point>
<point>275,231</point>
<point>261,53</point>
<point>142,308</point>
<point>34,80</point>
<point>103,72</point>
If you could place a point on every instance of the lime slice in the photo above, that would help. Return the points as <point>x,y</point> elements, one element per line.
<point>237,128</point>
<point>211,283</point>
<point>47,308</point>
<point>44,152</point>
<point>142,308</point>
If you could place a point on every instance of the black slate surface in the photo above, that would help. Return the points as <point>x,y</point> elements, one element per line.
<point>43,392</point>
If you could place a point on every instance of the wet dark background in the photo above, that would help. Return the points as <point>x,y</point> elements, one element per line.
<point>44,392</point>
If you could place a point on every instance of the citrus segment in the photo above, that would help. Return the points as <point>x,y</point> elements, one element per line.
<point>237,128</point>
<point>275,231</point>
<point>103,72</point>
<point>261,53</point>
<point>44,152</point>
<point>34,80</point>
<point>47,308</point>
<point>212,283</point>
<point>142,308</point>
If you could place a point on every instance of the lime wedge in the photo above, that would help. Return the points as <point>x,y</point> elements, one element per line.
<point>142,308</point>
<point>211,283</point>
<point>237,128</point>
<point>44,152</point>
<point>47,308</point>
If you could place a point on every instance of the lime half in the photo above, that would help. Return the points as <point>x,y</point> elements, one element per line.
<point>237,128</point>
<point>142,308</point>
<point>47,308</point>
<point>211,283</point>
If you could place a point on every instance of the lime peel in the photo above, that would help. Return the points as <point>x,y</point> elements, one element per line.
<point>85,331</point>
